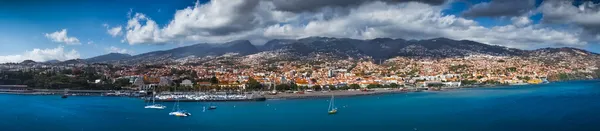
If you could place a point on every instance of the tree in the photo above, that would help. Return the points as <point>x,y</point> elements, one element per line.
<point>511,69</point>
<point>562,76</point>
<point>253,84</point>
<point>394,85</point>
<point>214,80</point>
<point>195,75</point>
<point>354,86</point>
<point>316,87</point>
<point>330,87</point>
<point>343,88</point>
<point>283,87</point>
<point>122,82</point>
<point>293,86</point>
<point>468,82</point>
<point>371,86</point>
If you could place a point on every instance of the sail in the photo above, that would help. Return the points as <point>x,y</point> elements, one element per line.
<point>331,104</point>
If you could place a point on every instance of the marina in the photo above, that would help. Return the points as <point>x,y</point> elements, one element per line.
<point>205,98</point>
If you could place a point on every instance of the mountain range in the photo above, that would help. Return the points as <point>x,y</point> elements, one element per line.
<point>380,48</point>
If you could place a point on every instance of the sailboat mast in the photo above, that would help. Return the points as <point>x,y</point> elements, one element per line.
<point>153,96</point>
<point>177,99</point>
<point>330,103</point>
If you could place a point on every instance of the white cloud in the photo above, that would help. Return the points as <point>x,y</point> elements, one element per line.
<point>521,21</point>
<point>221,21</point>
<point>424,21</point>
<point>90,42</point>
<point>41,55</point>
<point>142,33</point>
<point>586,15</point>
<point>215,21</point>
<point>113,49</point>
<point>114,31</point>
<point>61,37</point>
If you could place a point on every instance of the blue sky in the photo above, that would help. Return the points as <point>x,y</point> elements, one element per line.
<point>24,25</point>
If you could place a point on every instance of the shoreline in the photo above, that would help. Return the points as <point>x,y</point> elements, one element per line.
<point>347,93</point>
<point>316,94</point>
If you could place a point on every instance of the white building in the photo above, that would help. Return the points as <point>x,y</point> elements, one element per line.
<point>187,83</point>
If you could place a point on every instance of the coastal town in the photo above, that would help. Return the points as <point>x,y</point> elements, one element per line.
<point>231,73</point>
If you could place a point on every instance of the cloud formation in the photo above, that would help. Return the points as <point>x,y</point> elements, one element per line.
<point>499,8</point>
<point>115,31</point>
<point>61,37</point>
<point>42,55</point>
<point>298,6</point>
<point>586,15</point>
<point>261,20</point>
<point>381,20</point>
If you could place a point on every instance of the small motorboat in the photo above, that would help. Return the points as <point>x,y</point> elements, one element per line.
<point>64,96</point>
<point>212,107</point>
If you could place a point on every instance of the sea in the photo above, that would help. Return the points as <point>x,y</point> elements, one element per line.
<point>559,106</point>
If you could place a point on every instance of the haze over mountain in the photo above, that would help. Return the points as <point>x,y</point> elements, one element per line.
<point>108,57</point>
<point>380,48</point>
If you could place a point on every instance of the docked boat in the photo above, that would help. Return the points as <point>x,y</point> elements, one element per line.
<point>332,109</point>
<point>206,98</point>
<point>518,84</point>
<point>65,94</point>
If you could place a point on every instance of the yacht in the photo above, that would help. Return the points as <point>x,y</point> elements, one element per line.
<point>178,112</point>
<point>154,105</point>
<point>332,109</point>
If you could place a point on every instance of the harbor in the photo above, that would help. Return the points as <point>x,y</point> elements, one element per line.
<point>204,97</point>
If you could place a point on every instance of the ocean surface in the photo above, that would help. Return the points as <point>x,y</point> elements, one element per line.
<point>561,106</point>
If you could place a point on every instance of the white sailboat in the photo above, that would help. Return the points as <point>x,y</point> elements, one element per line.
<point>178,112</point>
<point>154,105</point>
<point>332,109</point>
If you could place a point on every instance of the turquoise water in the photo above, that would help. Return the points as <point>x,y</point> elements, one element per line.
<point>551,107</point>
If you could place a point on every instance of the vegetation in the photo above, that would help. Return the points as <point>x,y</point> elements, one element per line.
<point>469,82</point>
<point>354,86</point>
<point>526,78</point>
<point>214,80</point>
<point>123,82</point>
<point>66,79</point>
<point>371,86</point>
<point>511,69</point>
<point>563,76</point>
<point>283,87</point>
<point>457,67</point>
<point>254,85</point>
<point>316,87</point>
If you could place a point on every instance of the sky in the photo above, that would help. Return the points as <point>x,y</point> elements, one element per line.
<point>43,30</point>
